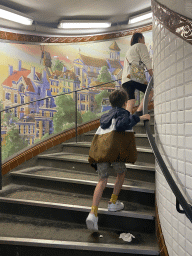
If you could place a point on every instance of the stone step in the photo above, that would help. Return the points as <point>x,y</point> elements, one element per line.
<point>145,154</point>
<point>37,236</point>
<point>139,128</point>
<point>138,171</point>
<point>141,139</point>
<point>83,183</point>
<point>57,204</point>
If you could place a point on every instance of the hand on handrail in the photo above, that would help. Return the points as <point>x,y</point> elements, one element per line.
<point>145,117</point>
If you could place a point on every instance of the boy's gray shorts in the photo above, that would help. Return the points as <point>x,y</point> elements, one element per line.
<point>104,169</point>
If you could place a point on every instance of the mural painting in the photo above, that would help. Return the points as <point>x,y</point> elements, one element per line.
<point>32,72</point>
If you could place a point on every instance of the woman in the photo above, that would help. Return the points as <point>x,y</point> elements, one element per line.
<point>137,53</point>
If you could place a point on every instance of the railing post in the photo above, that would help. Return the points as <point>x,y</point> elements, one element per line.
<point>0,157</point>
<point>76,115</point>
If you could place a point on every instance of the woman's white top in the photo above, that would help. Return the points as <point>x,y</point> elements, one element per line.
<point>137,52</point>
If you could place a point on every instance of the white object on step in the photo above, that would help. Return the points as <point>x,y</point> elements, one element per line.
<point>126,237</point>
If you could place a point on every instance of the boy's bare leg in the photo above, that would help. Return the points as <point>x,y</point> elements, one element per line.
<point>99,191</point>
<point>130,105</point>
<point>92,219</point>
<point>118,183</point>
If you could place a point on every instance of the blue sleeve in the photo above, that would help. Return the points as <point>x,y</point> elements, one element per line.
<point>105,121</point>
<point>126,122</point>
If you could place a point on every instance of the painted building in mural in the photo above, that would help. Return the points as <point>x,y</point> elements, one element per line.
<point>64,81</point>
<point>22,86</point>
<point>87,68</point>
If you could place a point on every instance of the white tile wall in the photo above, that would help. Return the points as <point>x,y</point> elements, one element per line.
<point>173,117</point>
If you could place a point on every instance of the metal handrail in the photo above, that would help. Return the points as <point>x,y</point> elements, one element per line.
<point>53,96</point>
<point>181,197</point>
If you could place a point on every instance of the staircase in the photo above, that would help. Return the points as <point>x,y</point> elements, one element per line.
<point>45,202</point>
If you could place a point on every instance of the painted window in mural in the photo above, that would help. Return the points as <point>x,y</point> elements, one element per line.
<point>31,72</point>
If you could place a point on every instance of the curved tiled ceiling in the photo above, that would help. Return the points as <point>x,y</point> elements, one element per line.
<point>47,14</point>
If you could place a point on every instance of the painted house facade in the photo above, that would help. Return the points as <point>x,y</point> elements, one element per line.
<point>22,86</point>
<point>64,81</point>
<point>87,69</point>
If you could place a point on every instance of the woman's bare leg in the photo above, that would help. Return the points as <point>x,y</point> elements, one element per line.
<point>140,108</point>
<point>130,105</point>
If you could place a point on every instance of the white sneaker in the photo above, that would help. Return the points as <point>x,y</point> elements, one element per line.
<point>92,222</point>
<point>115,207</point>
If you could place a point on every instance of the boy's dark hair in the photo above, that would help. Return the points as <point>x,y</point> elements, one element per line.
<point>135,38</point>
<point>118,98</point>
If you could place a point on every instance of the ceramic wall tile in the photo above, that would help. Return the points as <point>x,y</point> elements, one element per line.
<point>173,94</point>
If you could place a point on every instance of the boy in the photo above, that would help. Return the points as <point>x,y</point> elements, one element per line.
<point>110,149</point>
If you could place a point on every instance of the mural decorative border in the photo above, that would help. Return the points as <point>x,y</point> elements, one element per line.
<point>10,36</point>
<point>174,22</point>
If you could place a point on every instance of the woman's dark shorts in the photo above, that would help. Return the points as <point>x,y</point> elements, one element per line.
<point>131,86</point>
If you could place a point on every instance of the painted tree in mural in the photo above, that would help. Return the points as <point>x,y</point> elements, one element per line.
<point>104,75</point>
<point>14,143</point>
<point>42,138</point>
<point>65,116</point>
<point>87,116</point>
<point>58,65</point>
<point>9,119</point>
<point>99,97</point>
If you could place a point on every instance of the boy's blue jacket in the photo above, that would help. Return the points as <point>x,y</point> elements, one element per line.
<point>114,140</point>
<point>124,121</point>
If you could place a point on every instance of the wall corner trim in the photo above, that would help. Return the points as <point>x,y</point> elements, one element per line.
<point>159,234</point>
<point>176,23</point>
<point>36,39</point>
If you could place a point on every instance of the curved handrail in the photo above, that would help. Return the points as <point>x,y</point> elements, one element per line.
<point>181,197</point>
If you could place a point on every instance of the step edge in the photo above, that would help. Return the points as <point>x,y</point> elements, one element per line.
<point>80,245</point>
<point>84,182</point>
<point>87,209</point>
<point>40,167</point>
<point>55,157</point>
<point>142,135</point>
<point>87,145</point>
